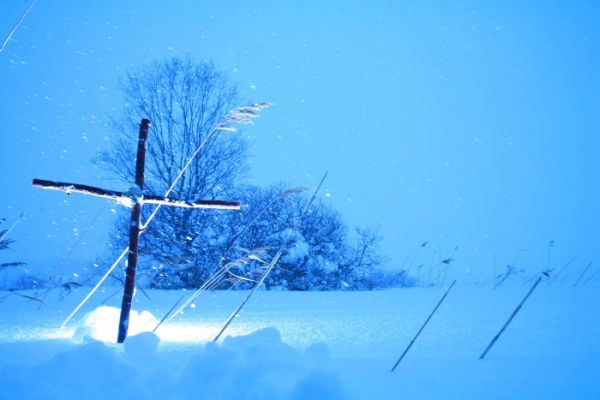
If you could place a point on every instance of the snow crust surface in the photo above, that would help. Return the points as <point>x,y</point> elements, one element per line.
<point>289,345</point>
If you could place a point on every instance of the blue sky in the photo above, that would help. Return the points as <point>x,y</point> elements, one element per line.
<point>470,124</point>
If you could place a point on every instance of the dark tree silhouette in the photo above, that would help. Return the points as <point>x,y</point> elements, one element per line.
<point>184,101</point>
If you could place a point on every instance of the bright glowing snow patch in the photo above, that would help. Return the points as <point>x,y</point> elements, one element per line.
<point>101,324</point>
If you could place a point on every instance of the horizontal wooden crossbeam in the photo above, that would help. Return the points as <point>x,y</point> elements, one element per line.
<point>69,188</point>
<point>128,199</point>
<point>167,201</point>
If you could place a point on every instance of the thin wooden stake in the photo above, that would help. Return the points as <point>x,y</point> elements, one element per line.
<point>583,273</point>
<point>489,346</point>
<point>563,269</point>
<point>423,326</point>
<point>243,303</point>
<point>591,277</point>
<point>168,313</point>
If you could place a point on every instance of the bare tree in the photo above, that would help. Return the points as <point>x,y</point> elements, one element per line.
<point>363,259</point>
<point>184,101</point>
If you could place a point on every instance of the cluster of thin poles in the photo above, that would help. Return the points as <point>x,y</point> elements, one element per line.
<point>240,115</point>
<point>225,271</point>
<point>544,274</point>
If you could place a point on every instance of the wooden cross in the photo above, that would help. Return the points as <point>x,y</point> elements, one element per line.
<point>133,198</point>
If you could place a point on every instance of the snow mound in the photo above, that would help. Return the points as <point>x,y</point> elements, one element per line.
<point>261,366</point>
<point>256,366</point>
<point>143,343</point>
<point>101,324</point>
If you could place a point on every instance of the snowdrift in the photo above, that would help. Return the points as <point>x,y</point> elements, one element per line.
<point>255,366</point>
<point>316,345</point>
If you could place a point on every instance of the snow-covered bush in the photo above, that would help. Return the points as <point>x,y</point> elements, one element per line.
<point>321,253</point>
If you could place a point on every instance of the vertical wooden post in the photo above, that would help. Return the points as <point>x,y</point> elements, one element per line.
<point>136,196</point>
<point>134,234</point>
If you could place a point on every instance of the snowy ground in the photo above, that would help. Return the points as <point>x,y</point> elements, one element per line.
<point>334,345</point>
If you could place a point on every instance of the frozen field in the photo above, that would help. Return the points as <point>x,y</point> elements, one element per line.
<point>310,345</point>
